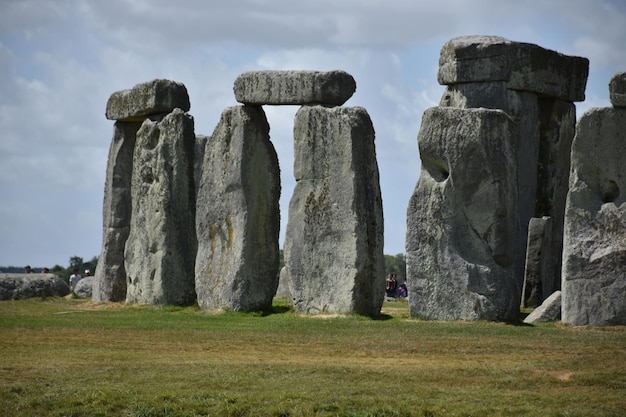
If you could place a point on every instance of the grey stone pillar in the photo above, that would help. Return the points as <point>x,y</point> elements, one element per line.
<point>334,238</point>
<point>129,108</point>
<point>238,214</point>
<point>462,217</point>
<point>594,249</point>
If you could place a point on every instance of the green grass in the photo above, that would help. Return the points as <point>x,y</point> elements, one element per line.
<point>70,357</point>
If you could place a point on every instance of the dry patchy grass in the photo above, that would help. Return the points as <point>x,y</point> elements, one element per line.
<point>72,357</point>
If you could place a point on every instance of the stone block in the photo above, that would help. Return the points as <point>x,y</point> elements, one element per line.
<point>238,215</point>
<point>539,266</point>
<point>617,90</point>
<point>145,99</point>
<point>462,217</point>
<point>334,237</point>
<point>18,286</point>
<point>522,66</point>
<point>294,87</point>
<point>160,250</point>
<point>594,242</point>
<point>110,276</point>
<point>549,310</point>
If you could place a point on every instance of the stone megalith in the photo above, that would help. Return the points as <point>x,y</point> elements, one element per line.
<point>110,276</point>
<point>238,215</point>
<point>17,286</point>
<point>161,246</point>
<point>462,217</point>
<point>334,237</point>
<point>617,90</point>
<point>294,87</point>
<point>594,249</point>
<point>539,272</point>
<point>537,88</point>
<point>129,108</point>
<point>549,310</point>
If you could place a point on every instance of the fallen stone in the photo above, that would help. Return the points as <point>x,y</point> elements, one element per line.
<point>594,247</point>
<point>146,99</point>
<point>549,310</point>
<point>617,90</point>
<point>462,217</point>
<point>334,237</point>
<point>84,288</point>
<point>238,215</point>
<point>523,66</point>
<point>294,87</point>
<point>161,246</point>
<point>110,276</point>
<point>18,286</point>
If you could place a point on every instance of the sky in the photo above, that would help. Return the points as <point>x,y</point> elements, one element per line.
<point>61,60</point>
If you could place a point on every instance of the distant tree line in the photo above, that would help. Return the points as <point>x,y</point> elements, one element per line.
<point>393,263</point>
<point>396,264</point>
<point>75,262</point>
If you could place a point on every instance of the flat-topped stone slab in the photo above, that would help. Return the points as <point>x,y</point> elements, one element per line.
<point>294,87</point>
<point>617,90</point>
<point>145,99</point>
<point>523,66</point>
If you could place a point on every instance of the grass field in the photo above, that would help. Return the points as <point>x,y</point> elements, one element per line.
<point>69,357</point>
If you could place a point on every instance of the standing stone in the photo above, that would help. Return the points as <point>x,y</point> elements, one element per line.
<point>161,245</point>
<point>539,272</point>
<point>523,108</point>
<point>536,87</point>
<point>110,276</point>
<point>462,217</point>
<point>198,160</point>
<point>284,284</point>
<point>557,122</point>
<point>294,87</point>
<point>130,108</point>
<point>238,215</point>
<point>617,90</point>
<point>594,249</point>
<point>334,238</point>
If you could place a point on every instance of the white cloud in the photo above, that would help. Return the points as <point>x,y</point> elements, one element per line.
<point>60,61</point>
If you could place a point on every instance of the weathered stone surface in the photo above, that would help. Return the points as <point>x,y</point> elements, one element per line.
<point>110,277</point>
<point>549,310</point>
<point>16,286</point>
<point>334,237</point>
<point>294,87</point>
<point>539,271</point>
<point>284,284</point>
<point>617,90</point>
<point>161,246</point>
<point>145,99</point>
<point>198,160</point>
<point>84,288</point>
<point>594,244</point>
<point>523,107</point>
<point>461,219</point>
<point>238,215</point>
<point>523,66</point>
<point>557,126</point>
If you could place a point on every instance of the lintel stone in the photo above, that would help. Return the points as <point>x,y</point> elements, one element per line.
<point>145,99</point>
<point>294,87</point>
<point>523,66</point>
<point>617,90</point>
